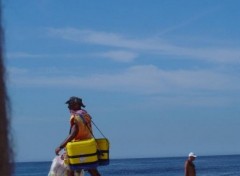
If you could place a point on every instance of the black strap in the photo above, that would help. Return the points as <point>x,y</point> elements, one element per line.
<point>98,128</point>
<point>84,121</point>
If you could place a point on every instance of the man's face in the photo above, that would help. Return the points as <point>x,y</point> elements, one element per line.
<point>192,158</point>
<point>74,106</point>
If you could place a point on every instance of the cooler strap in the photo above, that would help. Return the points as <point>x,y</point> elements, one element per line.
<point>84,121</point>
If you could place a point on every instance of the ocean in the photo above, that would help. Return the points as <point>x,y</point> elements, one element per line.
<point>228,165</point>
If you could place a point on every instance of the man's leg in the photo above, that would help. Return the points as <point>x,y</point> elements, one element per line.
<point>70,173</point>
<point>79,173</point>
<point>94,172</point>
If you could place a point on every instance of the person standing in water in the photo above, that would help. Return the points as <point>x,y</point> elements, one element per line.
<point>189,167</point>
<point>79,130</point>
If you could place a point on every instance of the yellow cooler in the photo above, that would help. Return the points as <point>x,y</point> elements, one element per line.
<point>82,154</point>
<point>103,151</point>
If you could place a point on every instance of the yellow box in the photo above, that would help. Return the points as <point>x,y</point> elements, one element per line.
<point>103,146</point>
<point>82,154</point>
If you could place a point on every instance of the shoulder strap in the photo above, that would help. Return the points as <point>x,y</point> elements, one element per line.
<point>84,121</point>
<point>98,128</point>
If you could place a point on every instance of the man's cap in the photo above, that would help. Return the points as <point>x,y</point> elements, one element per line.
<point>74,99</point>
<point>192,154</point>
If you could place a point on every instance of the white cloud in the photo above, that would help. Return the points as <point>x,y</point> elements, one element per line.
<point>215,53</point>
<point>24,55</point>
<point>189,21</point>
<point>28,55</point>
<point>120,56</point>
<point>101,38</point>
<point>17,71</point>
<point>146,79</point>
<point>127,49</point>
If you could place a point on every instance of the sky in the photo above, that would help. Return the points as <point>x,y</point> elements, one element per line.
<point>160,78</point>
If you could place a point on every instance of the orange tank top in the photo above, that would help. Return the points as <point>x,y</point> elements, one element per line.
<point>83,120</point>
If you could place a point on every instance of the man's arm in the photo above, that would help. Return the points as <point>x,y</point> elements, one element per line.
<point>71,136</point>
<point>186,168</point>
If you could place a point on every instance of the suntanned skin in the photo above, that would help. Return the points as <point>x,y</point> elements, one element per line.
<point>73,132</point>
<point>190,167</point>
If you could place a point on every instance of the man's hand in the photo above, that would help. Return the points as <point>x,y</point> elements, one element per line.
<point>57,150</point>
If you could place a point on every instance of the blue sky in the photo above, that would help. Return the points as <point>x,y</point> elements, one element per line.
<point>160,77</point>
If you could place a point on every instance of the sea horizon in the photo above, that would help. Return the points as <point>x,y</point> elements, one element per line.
<point>147,157</point>
<point>220,165</point>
